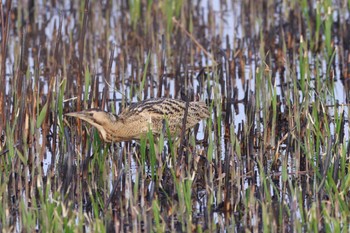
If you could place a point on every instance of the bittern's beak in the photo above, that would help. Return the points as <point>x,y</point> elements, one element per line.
<point>93,117</point>
<point>83,115</point>
<point>88,116</point>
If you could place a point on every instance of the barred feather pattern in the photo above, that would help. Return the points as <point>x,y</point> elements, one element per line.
<point>134,122</point>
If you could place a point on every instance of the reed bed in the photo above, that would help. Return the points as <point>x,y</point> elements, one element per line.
<point>273,156</point>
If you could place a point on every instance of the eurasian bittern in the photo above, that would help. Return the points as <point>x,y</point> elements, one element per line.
<point>134,122</point>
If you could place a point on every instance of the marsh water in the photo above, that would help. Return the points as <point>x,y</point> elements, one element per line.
<point>273,156</point>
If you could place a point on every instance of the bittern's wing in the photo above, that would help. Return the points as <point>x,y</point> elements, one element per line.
<point>151,114</point>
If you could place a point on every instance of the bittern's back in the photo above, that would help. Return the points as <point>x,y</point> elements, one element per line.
<point>154,111</point>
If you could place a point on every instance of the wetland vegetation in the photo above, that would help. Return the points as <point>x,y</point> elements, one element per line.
<point>273,156</point>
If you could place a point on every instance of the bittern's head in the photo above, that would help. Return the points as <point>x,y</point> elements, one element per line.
<point>101,120</point>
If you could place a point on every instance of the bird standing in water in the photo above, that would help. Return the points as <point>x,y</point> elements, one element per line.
<point>134,122</point>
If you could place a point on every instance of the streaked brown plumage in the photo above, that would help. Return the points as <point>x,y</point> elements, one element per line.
<point>135,121</point>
